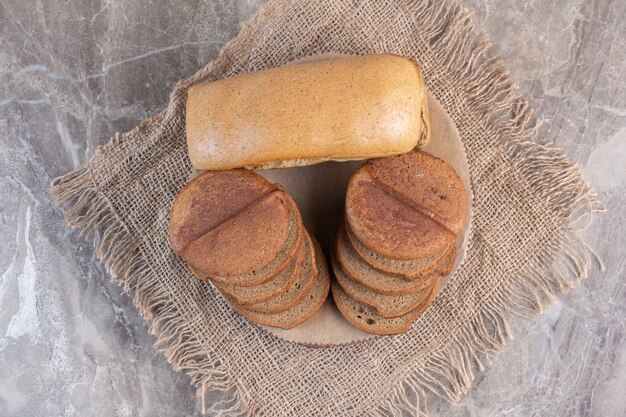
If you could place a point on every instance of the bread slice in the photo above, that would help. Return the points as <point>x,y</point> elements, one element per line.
<point>211,199</point>
<point>263,273</point>
<point>250,239</point>
<point>307,275</point>
<point>445,266</point>
<point>357,269</point>
<point>407,269</point>
<point>427,183</point>
<point>406,207</point>
<point>275,286</point>
<point>387,225</point>
<point>366,318</point>
<point>300,312</point>
<point>385,305</point>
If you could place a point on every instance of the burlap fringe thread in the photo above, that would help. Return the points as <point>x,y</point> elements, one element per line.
<point>448,372</point>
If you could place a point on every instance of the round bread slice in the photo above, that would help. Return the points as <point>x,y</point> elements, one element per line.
<point>406,269</point>
<point>234,224</point>
<point>211,199</point>
<point>300,312</point>
<point>307,276</point>
<point>366,318</point>
<point>275,286</point>
<point>406,207</point>
<point>263,273</point>
<point>386,305</point>
<point>360,271</point>
<point>427,183</point>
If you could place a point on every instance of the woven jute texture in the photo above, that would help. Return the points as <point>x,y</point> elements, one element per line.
<point>522,252</point>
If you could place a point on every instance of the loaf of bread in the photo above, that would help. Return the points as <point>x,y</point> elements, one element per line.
<point>338,109</point>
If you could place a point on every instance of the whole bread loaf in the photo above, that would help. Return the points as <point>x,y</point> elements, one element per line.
<point>339,109</point>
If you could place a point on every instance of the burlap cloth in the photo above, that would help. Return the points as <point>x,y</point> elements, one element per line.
<point>522,251</point>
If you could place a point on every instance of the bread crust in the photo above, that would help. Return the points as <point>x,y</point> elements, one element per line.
<point>303,310</point>
<point>412,269</point>
<point>299,289</point>
<point>386,306</point>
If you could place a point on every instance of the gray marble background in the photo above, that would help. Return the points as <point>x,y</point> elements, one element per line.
<point>72,73</point>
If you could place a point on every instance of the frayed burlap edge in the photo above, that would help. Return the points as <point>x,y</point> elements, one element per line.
<point>448,372</point>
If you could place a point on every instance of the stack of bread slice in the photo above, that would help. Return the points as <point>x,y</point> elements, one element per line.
<point>402,218</point>
<point>246,235</point>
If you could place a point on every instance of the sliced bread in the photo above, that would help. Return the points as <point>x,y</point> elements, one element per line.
<point>427,183</point>
<point>386,224</point>
<point>407,269</point>
<point>263,273</point>
<point>300,312</point>
<point>366,318</point>
<point>357,269</point>
<point>308,271</point>
<point>386,305</point>
<point>211,199</point>
<point>406,207</point>
<point>275,286</point>
<point>445,266</point>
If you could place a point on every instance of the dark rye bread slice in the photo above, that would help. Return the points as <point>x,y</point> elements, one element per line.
<point>277,285</point>
<point>308,271</point>
<point>210,199</point>
<point>357,269</point>
<point>300,312</point>
<point>428,182</point>
<point>406,207</point>
<point>232,223</point>
<point>276,267</point>
<point>263,273</point>
<point>366,318</point>
<point>406,269</point>
<point>385,305</point>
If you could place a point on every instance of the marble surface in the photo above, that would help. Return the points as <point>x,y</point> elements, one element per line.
<point>75,72</point>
